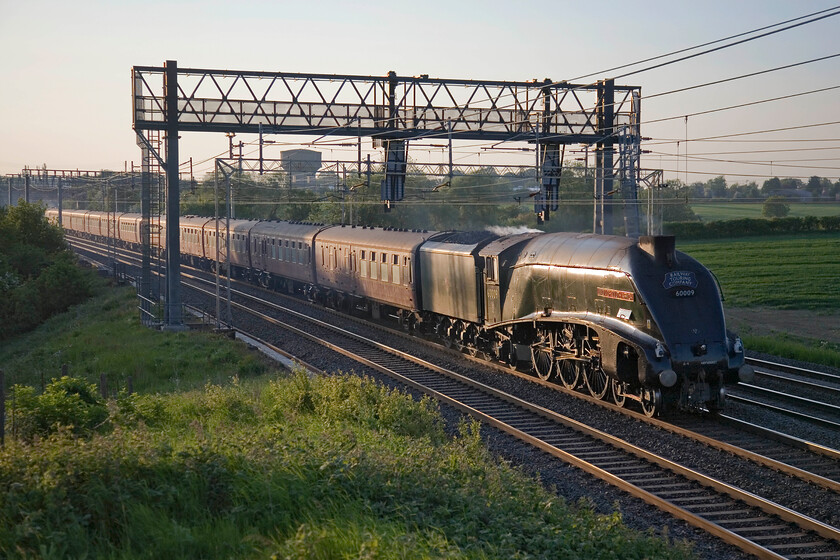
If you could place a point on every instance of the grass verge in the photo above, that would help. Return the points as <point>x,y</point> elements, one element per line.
<point>102,336</point>
<point>284,466</point>
<point>795,348</point>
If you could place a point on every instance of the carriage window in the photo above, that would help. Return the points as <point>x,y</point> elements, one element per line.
<point>363,265</point>
<point>383,269</point>
<point>395,269</point>
<point>374,267</point>
<point>407,271</point>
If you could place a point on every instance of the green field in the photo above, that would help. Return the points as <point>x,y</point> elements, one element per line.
<point>735,210</point>
<point>787,272</point>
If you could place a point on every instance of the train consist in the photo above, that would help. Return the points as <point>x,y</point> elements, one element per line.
<point>620,317</point>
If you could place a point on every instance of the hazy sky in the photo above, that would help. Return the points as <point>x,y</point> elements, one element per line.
<point>65,93</point>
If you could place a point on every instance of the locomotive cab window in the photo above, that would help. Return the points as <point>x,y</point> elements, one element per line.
<point>491,269</point>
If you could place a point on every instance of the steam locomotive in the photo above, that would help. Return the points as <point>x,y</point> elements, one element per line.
<point>621,318</point>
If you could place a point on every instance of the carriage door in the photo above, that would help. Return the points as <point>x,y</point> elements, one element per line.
<point>492,302</point>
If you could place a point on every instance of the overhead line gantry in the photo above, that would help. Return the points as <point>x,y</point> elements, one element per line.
<point>393,110</point>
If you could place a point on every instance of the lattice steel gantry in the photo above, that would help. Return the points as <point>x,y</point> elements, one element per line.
<point>394,110</point>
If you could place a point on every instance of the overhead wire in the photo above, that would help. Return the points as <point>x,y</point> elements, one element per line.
<point>742,76</point>
<point>687,49</point>
<point>768,163</point>
<point>835,11</point>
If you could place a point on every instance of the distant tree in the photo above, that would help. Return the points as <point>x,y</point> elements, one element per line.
<point>749,190</point>
<point>790,183</point>
<point>717,188</point>
<point>674,201</point>
<point>696,190</point>
<point>38,276</point>
<point>775,207</point>
<point>771,185</point>
<point>819,186</point>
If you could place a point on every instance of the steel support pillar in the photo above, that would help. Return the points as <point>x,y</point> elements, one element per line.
<point>552,168</point>
<point>393,185</point>
<point>145,286</point>
<point>550,160</point>
<point>60,199</point>
<point>629,150</point>
<point>173,319</point>
<point>10,192</point>
<point>26,188</point>
<point>604,172</point>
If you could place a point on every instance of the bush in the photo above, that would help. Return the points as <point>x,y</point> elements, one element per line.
<point>38,276</point>
<point>745,227</point>
<point>775,207</point>
<point>829,223</point>
<point>61,285</point>
<point>66,402</point>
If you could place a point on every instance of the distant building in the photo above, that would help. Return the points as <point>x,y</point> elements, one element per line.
<point>301,165</point>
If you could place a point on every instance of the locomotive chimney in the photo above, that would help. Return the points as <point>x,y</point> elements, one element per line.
<point>661,247</point>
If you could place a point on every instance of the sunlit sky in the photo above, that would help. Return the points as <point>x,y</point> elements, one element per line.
<point>65,93</point>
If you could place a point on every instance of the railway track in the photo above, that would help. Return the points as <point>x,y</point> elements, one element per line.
<point>801,393</point>
<point>767,367</point>
<point>721,513</point>
<point>756,525</point>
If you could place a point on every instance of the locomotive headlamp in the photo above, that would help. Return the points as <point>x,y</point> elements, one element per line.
<point>738,348</point>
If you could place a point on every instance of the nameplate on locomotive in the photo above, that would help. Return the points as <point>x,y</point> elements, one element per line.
<point>680,278</point>
<point>616,294</point>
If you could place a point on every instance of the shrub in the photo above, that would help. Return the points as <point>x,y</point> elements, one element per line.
<point>775,207</point>
<point>38,276</point>
<point>68,402</point>
<point>61,285</point>
<point>830,223</point>
<point>745,227</point>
